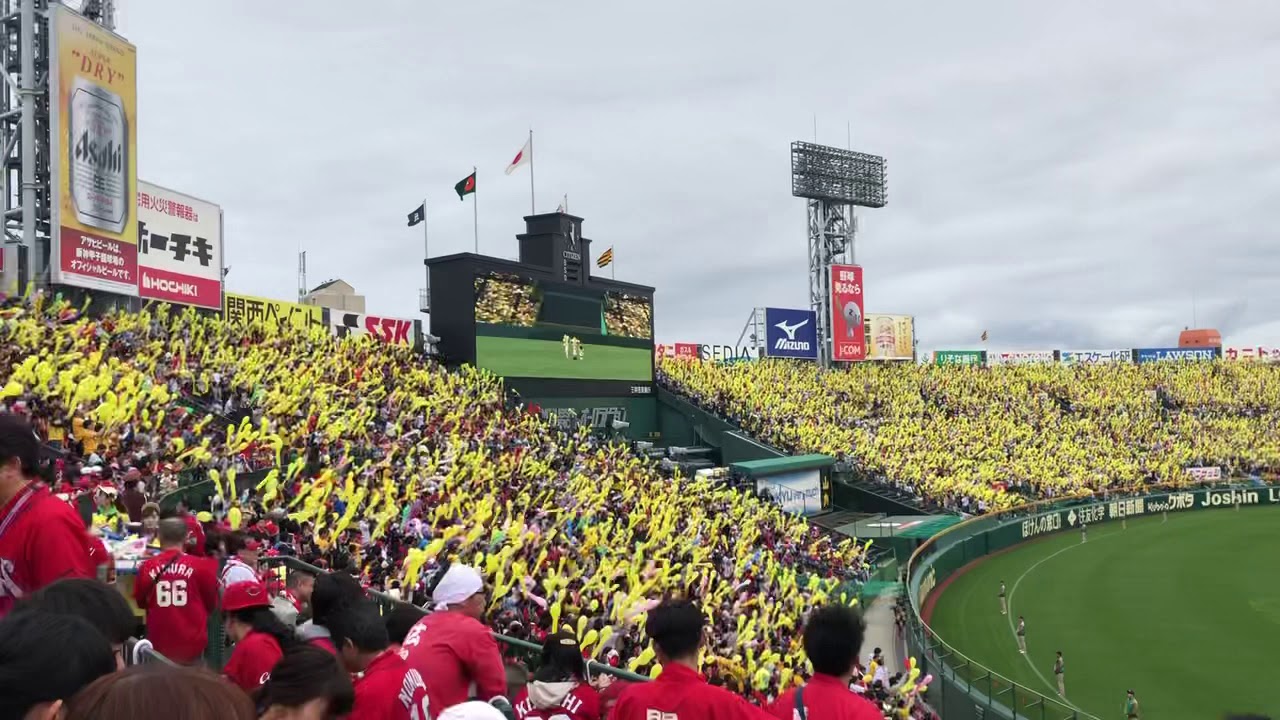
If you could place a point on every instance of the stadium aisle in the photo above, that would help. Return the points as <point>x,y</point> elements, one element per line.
<point>881,630</point>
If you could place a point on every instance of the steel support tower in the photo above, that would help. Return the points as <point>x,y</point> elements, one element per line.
<point>832,182</point>
<point>24,134</point>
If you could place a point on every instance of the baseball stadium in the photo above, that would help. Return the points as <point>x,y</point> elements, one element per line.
<point>518,505</point>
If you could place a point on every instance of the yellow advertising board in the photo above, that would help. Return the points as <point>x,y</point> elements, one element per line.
<point>890,337</point>
<point>247,309</point>
<point>93,143</point>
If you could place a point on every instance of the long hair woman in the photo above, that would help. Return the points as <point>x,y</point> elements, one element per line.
<point>307,684</point>
<point>261,638</point>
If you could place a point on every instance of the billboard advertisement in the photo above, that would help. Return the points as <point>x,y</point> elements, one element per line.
<point>527,328</point>
<point>796,492</point>
<point>848,336</point>
<point>892,337</point>
<point>1252,354</point>
<point>791,333</point>
<point>179,247</point>
<point>959,357</point>
<point>393,331</point>
<point>1093,357</point>
<point>93,134</point>
<point>1147,355</point>
<point>686,350</point>
<point>245,309</point>
<point>1021,357</point>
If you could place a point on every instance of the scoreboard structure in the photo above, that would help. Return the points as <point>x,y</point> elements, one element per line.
<point>560,337</point>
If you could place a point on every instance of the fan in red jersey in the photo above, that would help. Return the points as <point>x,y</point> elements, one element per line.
<point>260,638</point>
<point>388,689</point>
<point>42,539</point>
<point>178,591</point>
<point>559,689</point>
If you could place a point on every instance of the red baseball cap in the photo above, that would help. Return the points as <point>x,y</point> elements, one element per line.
<point>252,545</point>
<point>245,595</point>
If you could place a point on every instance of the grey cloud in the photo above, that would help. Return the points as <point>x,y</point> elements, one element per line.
<point>1062,175</point>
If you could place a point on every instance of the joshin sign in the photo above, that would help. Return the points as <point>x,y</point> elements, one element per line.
<point>93,131</point>
<point>180,247</point>
<point>848,336</point>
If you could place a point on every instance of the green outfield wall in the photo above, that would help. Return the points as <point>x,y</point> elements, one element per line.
<point>965,690</point>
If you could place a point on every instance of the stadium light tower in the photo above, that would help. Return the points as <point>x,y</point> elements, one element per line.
<point>24,132</point>
<point>832,181</point>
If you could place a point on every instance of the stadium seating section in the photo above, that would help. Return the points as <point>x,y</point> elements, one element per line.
<point>377,462</point>
<point>976,438</point>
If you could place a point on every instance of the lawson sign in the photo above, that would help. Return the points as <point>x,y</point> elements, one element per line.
<point>791,334</point>
<point>1149,355</point>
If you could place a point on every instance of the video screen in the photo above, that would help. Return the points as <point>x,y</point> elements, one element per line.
<point>525,328</point>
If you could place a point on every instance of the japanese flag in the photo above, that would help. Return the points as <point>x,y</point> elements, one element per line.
<point>523,157</point>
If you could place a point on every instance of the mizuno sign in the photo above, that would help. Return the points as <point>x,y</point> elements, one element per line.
<point>790,334</point>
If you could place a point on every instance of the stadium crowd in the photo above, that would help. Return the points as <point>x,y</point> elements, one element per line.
<point>628,315</point>
<point>402,477</point>
<point>505,300</point>
<point>978,439</point>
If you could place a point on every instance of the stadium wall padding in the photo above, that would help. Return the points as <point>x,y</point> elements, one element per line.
<point>964,692</point>
<point>557,333</point>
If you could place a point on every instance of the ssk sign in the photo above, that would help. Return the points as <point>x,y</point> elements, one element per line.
<point>791,333</point>
<point>393,331</point>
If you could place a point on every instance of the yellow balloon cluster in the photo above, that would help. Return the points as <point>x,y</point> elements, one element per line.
<point>977,433</point>
<point>365,442</point>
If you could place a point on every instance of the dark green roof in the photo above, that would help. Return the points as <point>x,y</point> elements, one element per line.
<point>773,466</point>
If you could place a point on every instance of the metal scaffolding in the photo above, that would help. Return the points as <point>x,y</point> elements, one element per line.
<point>832,181</point>
<point>24,134</point>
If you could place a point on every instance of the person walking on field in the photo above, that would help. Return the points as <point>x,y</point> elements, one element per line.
<point>1004,606</point>
<point>1059,668</point>
<point>1022,635</point>
<point>1131,710</point>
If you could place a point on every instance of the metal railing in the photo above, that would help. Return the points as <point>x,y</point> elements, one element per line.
<point>527,652</point>
<point>983,692</point>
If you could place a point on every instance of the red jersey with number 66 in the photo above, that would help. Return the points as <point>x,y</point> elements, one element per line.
<point>558,701</point>
<point>178,592</point>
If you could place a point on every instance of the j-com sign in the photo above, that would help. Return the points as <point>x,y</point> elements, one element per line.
<point>1151,504</point>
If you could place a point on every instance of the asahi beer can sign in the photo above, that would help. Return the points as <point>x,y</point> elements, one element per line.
<point>93,136</point>
<point>99,136</point>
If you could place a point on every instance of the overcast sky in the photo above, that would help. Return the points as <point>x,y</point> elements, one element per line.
<point>1065,175</point>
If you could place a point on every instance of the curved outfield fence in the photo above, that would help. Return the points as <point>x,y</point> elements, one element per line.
<point>963,689</point>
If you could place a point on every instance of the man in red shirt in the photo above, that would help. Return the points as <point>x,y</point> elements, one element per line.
<point>832,639</point>
<point>389,688</point>
<point>452,649</point>
<point>178,592</point>
<point>42,539</point>
<point>680,690</point>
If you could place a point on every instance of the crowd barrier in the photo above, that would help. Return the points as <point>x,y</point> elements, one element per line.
<point>964,689</point>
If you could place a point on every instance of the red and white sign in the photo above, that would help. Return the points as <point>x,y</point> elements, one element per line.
<point>686,350</point>
<point>393,331</point>
<point>1206,474</point>
<point>1020,357</point>
<point>1259,354</point>
<point>179,248</point>
<point>848,335</point>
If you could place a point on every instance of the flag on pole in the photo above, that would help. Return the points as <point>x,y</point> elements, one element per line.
<point>466,185</point>
<point>418,215</point>
<point>984,336</point>
<point>523,157</point>
<point>605,258</point>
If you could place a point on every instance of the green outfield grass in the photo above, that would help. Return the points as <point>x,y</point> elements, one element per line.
<point>1186,613</point>
<point>523,357</point>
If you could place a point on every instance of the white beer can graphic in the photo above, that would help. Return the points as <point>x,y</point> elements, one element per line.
<point>98,156</point>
